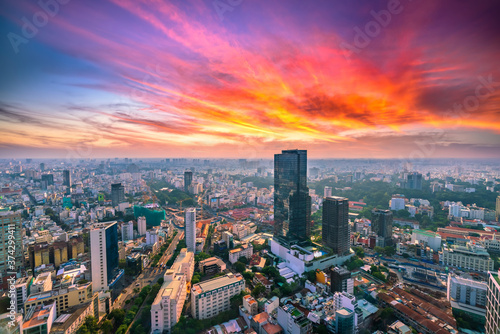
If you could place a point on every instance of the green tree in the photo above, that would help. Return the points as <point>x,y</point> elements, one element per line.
<point>310,275</point>
<point>389,250</point>
<point>89,326</point>
<point>258,290</point>
<point>239,266</point>
<point>243,259</point>
<point>107,327</point>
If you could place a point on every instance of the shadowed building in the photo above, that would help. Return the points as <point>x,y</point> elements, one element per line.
<point>382,225</point>
<point>335,227</point>
<point>292,203</point>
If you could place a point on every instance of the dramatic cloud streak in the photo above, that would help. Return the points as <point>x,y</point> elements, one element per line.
<point>157,78</point>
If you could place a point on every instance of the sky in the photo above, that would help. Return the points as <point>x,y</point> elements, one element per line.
<point>409,79</point>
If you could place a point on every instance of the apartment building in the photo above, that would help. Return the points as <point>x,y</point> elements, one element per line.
<point>211,297</point>
<point>467,257</point>
<point>245,250</point>
<point>184,263</point>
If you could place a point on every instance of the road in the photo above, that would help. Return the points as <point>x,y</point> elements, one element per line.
<point>150,275</point>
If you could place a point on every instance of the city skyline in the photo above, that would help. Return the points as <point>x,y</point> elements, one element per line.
<point>191,79</point>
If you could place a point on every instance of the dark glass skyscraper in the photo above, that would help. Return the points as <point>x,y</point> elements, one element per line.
<point>117,194</point>
<point>335,227</point>
<point>382,225</point>
<point>188,179</point>
<point>292,203</point>
<point>67,178</point>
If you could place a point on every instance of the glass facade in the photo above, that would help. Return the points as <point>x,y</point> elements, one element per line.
<point>382,225</point>
<point>112,251</point>
<point>292,203</point>
<point>335,228</point>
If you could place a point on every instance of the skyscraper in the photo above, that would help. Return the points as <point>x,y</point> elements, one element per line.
<point>492,301</point>
<point>104,254</point>
<point>341,281</point>
<point>413,181</point>
<point>336,233</point>
<point>327,191</point>
<point>292,203</point>
<point>117,194</point>
<point>11,259</point>
<point>66,178</point>
<point>382,225</point>
<point>141,225</point>
<point>190,228</point>
<point>498,209</point>
<point>188,179</point>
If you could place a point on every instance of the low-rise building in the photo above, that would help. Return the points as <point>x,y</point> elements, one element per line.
<point>467,257</point>
<point>69,321</point>
<point>250,304</point>
<point>64,298</point>
<point>184,263</point>
<point>245,250</point>
<point>39,318</point>
<point>212,265</point>
<point>42,283</point>
<point>428,238</point>
<point>293,321</point>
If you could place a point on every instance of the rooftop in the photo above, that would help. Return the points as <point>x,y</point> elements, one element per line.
<point>216,283</point>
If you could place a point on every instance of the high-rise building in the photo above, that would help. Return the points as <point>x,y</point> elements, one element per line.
<point>49,178</point>
<point>413,181</point>
<point>128,231</point>
<point>67,178</point>
<point>190,228</point>
<point>497,211</point>
<point>11,227</point>
<point>466,291</point>
<point>188,179</point>
<point>344,321</point>
<point>292,203</point>
<point>141,225</point>
<point>335,228</point>
<point>492,301</point>
<point>104,254</point>
<point>341,280</point>
<point>382,225</point>
<point>327,191</point>
<point>117,194</point>
<point>42,166</point>
<point>211,297</point>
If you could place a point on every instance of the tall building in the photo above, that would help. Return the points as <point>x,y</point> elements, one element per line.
<point>190,228</point>
<point>141,225</point>
<point>10,225</point>
<point>466,291</point>
<point>128,231</point>
<point>167,306</point>
<point>492,301</point>
<point>188,179</point>
<point>341,280</point>
<point>292,203</point>
<point>335,230</point>
<point>382,225</point>
<point>104,254</point>
<point>211,297</point>
<point>67,178</point>
<point>42,166</point>
<point>466,257</point>
<point>117,194</point>
<point>413,181</point>
<point>344,321</point>
<point>49,178</point>
<point>327,191</point>
<point>497,211</point>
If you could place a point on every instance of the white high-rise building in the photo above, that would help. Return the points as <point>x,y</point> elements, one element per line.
<point>167,306</point>
<point>467,291</point>
<point>492,301</point>
<point>103,254</point>
<point>397,202</point>
<point>152,237</point>
<point>128,231</point>
<point>211,297</point>
<point>327,191</point>
<point>141,225</point>
<point>190,226</point>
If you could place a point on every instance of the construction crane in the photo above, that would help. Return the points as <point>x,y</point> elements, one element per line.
<point>180,203</point>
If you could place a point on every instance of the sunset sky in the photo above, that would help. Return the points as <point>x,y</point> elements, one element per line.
<point>247,78</point>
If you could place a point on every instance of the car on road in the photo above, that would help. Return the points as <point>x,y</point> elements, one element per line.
<point>137,284</point>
